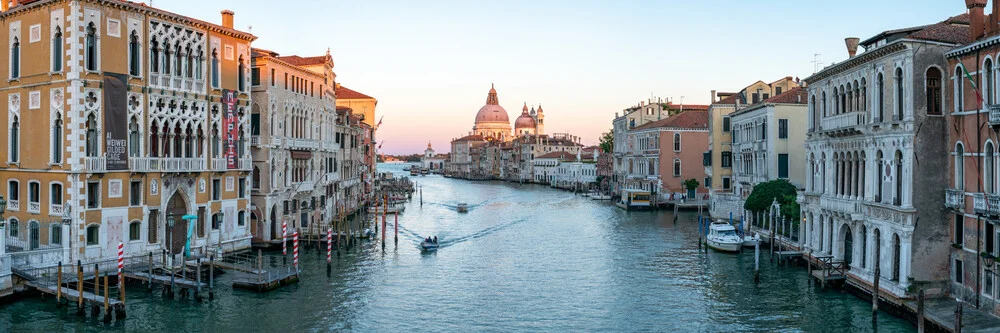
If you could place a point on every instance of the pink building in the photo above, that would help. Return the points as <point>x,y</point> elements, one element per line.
<point>664,153</point>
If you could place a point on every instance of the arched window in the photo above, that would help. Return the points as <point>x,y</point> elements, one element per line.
<point>241,218</point>
<point>856,102</point>
<point>216,221</point>
<point>880,177</point>
<point>14,226</point>
<point>933,87</point>
<point>55,194</point>
<point>849,106</point>
<point>198,59</point>
<point>677,167</point>
<point>93,235</point>
<point>92,136</point>
<point>57,139</point>
<point>15,140</point>
<point>899,94</point>
<point>836,101</point>
<point>135,231</point>
<point>959,167</point>
<point>154,56</point>
<point>166,57</point>
<point>989,171</point>
<point>133,54</point>
<point>895,257</point>
<point>133,137</point>
<point>677,142</point>
<point>216,142</point>
<point>241,76</point>
<point>880,96</point>
<point>959,89</point>
<point>15,59</point>
<point>189,70</point>
<point>989,78</point>
<point>179,60</point>
<point>57,50</point>
<point>898,176</point>
<point>91,51</point>
<point>863,233</point>
<point>863,104</point>
<point>215,68</point>
<point>55,233</point>
<point>256,177</point>
<point>154,140</point>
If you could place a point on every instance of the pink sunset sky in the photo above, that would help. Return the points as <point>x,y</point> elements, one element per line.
<point>430,63</point>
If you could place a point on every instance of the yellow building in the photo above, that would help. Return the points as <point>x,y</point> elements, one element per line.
<point>719,157</point>
<point>121,115</point>
<point>359,103</point>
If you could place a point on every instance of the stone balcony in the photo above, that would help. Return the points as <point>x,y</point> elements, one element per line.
<point>994,110</point>
<point>954,198</point>
<point>988,204</point>
<point>846,123</point>
<point>847,206</point>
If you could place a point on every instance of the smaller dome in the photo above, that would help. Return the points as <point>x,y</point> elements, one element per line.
<point>524,121</point>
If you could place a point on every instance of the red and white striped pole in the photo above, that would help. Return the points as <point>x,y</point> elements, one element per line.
<point>329,244</point>
<point>284,238</point>
<point>295,249</point>
<point>121,264</point>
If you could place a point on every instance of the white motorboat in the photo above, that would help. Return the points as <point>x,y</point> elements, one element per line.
<point>599,196</point>
<point>751,240</point>
<point>462,207</point>
<point>428,246</point>
<point>722,237</point>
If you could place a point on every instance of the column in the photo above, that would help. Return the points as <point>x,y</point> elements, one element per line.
<point>905,242</point>
<point>64,236</point>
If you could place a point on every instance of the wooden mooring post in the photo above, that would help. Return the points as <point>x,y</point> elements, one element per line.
<point>197,291</point>
<point>958,317</point>
<point>79,289</point>
<point>107,301</point>
<point>877,278</point>
<point>211,277</point>
<point>59,285</point>
<point>96,310</point>
<point>149,281</point>
<point>756,262</point>
<point>920,311</point>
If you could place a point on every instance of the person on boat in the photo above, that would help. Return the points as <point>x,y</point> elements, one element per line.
<point>435,239</point>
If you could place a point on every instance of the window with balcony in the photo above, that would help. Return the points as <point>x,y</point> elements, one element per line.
<point>92,137</point>
<point>933,92</point>
<point>863,96</point>
<point>93,195</point>
<point>13,195</point>
<point>93,234</point>
<point>154,56</point>
<point>57,50</point>
<point>989,168</point>
<point>34,196</point>
<point>55,195</point>
<point>133,137</point>
<point>91,48</point>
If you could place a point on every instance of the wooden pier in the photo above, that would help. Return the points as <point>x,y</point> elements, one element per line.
<point>252,274</point>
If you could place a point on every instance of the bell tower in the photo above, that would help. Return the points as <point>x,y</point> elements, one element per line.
<point>540,121</point>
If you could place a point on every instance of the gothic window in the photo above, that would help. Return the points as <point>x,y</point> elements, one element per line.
<point>241,75</point>
<point>91,45</point>
<point>863,104</point>
<point>57,139</point>
<point>179,60</point>
<point>959,89</point>
<point>216,144</point>
<point>989,172</point>
<point>898,177</point>
<point>133,54</point>
<point>198,61</point>
<point>933,91</point>
<point>189,70</point>
<point>133,137</point>
<point>166,57</point>
<point>57,50</point>
<point>677,142</point>
<point>880,179</point>
<point>899,94</point>
<point>880,85</point>
<point>959,167</point>
<point>154,56</point>
<point>15,140</point>
<point>215,68</point>
<point>92,136</point>
<point>154,140</point>
<point>824,104</point>
<point>677,167</point>
<point>990,81</point>
<point>15,59</point>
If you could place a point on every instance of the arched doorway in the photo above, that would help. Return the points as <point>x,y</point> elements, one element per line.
<point>274,222</point>
<point>255,230</point>
<point>895,257</point>
<point>177,208</point>
<point>847,247</point>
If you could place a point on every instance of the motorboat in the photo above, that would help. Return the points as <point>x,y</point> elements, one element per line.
<point>424,171</point>
<point>429,245</point>
<point>751,240</point>
<point>600,196</point>
<point>634,200</point>
<point>414,172</point>
<point>463,207</point>
<point>722,237</point>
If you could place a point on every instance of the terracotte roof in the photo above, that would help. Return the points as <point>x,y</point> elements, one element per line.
<point>687,119</point>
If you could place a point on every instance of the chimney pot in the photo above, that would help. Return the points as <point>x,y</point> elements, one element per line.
<point>712,100</point>
<point>852,45</point>
<point>976,19</point>
<point>227,19</point>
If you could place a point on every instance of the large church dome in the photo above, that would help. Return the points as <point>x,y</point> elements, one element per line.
<point>492,112</point>
<point>524,121</point>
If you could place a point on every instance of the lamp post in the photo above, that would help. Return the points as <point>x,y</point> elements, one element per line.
<point>3,226</point>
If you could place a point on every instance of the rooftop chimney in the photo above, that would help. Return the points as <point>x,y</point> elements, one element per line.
<point>712,100</point>
<point>976,19</point>
<point>227,19</point>
<point>852,45</point>
<point>4,4</point>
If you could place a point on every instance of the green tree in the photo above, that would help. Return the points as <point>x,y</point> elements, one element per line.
<point>608,141</point>
<point>764,194</point>
<point>691,184</point>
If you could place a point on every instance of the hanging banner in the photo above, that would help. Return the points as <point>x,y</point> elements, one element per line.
<point>116,121</point>
<point>230,126</point>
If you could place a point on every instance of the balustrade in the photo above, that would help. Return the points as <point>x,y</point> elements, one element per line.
<point>845,120</point>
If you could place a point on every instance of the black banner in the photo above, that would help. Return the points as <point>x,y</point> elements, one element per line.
<point>116,121</point>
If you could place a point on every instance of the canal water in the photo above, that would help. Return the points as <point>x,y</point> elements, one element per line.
<point>525,258</point>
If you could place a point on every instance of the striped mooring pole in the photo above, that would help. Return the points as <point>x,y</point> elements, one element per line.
<point>284,238</point>
<point>329,244</point>
<point>295,249</point>
<point>121,264</point>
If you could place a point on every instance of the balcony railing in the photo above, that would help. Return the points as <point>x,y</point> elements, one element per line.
<point>95,164</point>
<point>994,113</point>
<point>34,207</point>
<point>55,210</point>
<point>954,198</point>
<point>245,164</point>
<point>166,164</point>
<point>14,205</point>
<point>986,204</point>
<point>848,206</point>
<point>843,121</point>
<point>275,141</point>
<point>255,140</point>
<point>303,143</point>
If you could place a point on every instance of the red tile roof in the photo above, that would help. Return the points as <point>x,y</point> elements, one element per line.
<point>345,93</point>
<point>686,107</point>
<point>304,61</point>
<point>687,119</point>
<point>795,96</point>
<point>954,30</point>
<point>731,99</point>
<point>562,155</point>
<point>474,137</point>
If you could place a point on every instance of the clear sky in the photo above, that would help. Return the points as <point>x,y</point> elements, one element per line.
<point>430,63</point>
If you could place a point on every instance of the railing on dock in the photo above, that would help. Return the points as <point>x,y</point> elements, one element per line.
<point>259,272</point>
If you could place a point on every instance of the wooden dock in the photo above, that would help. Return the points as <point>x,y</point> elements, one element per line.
<point>941,312</point>
<point>73,295</point>
<point>164,280</point>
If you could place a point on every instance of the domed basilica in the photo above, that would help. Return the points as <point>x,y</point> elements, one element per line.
<point>493,124</point>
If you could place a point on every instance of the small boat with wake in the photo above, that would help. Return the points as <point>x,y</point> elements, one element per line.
<point>462,207</point>
<point>429,244</point>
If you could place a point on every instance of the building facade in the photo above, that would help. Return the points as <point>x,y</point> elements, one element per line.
<point>874,155</point>
<point>148,120</point>
<point>660,155</point>
<point>767,142</point>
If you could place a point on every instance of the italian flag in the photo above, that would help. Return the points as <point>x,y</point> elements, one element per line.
<point>979,96</point>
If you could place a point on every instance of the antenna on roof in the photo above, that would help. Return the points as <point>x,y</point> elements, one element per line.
<point>249,28</point>
<point>816,62</point>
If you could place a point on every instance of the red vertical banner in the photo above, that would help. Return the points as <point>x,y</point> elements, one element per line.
<point>230,125</point>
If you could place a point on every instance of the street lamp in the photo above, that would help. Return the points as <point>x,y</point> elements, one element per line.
<point>3,206</point>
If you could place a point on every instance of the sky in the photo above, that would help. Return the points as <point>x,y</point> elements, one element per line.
<point>430,63</point>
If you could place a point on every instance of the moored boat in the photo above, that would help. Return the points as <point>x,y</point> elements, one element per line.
<point>600,196</point>
<point>751,240</point>
<point>722,237</point>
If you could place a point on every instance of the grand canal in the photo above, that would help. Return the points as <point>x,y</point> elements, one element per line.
<point>525,258</point>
